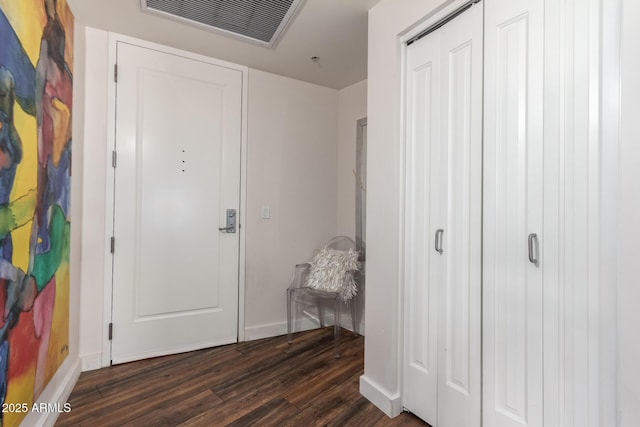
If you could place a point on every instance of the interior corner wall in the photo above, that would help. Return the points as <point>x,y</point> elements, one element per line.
<point>94,178</point>
<point>352,106</point>
<point>629,229</point>
<point>292,167</point>
<point>388,20</point>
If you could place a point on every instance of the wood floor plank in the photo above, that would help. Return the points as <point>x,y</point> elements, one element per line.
<point>403,420</point>
<point>202,360</point>
<point>280,342</point>
<point>275,365</point>
<point>362,414</point>
<point>166,399</point>
<point>146,385</point>
<point>126,370</point>
<point>176,412</point>
<point>241,405</point>
<point>85,396</point>
<point>239,401</point>
<point>327,405</point>
<point>264,383</point>
<point>303,392</point>
<point>274,413</point>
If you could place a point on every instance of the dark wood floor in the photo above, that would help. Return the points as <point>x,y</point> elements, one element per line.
<point>264,383</point>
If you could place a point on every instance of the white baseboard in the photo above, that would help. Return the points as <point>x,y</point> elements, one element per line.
<point>264,331</point>
<point>55,394</point>
<point>388,403</point>
<point>91,362</point>
<point>280,328</point>
<point>306,323</point>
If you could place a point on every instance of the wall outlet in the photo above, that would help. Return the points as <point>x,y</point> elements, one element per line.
<point>266,212</point>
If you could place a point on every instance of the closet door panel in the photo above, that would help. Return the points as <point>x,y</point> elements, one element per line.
<point>512,284</point>
<point>423,265</point>
<point>458,280</point>
<point>572,159</point>
<point>460,289</point>
<point>443,188</point>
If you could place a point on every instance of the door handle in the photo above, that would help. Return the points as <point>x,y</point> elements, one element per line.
<point>438,239</point>
<point>231,222</point>
<point>533,251</point>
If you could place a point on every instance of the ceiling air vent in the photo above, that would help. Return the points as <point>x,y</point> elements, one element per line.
<point>259,21</point>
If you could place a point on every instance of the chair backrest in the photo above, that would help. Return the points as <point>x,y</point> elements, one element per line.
<point>341,243</point>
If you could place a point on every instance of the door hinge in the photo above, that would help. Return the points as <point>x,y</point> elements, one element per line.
<point>113,244</point>
<point>114,158</point>
<point>115,73</point>
<point>110,331</point>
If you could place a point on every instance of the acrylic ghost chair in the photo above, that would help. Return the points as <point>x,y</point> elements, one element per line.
<point>300,294</point>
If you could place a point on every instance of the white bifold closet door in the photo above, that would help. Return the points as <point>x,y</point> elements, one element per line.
<point>513,212</point>
<point>443,194</point>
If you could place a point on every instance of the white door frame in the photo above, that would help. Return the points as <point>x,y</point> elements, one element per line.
<point>114,38</point>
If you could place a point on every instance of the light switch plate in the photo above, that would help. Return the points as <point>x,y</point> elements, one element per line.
<point>266,212</point>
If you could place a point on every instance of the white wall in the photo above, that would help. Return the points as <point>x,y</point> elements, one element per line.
<point>352,106</point>
<point>387,20</point>
<point>94,178</point>
<point>292,167</point>
<point>301,153</point>
<point>629,215</point>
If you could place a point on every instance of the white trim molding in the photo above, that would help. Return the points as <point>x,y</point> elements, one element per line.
<point>55,395</point>
<point>306,323</point>
<point>91,362</point>
<point>387,402</point>
<point>279,328</point>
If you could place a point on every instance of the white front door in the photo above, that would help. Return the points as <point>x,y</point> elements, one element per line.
<point>178,144</point>
<point>442,366</point>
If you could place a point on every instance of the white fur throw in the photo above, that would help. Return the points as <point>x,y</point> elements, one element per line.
<point>328,269</point>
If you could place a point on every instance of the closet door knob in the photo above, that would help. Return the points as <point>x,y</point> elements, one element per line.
<point>533,249</point>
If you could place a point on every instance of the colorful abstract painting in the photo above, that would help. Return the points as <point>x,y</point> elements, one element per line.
<point>36,60</point>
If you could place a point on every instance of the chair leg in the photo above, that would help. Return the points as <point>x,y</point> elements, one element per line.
<point>320,305</point>
<point>352,303</point>
<point>289,320</point>
<point>336,328</point>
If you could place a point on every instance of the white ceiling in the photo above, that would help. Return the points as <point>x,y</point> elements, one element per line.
<point>334,30</point>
